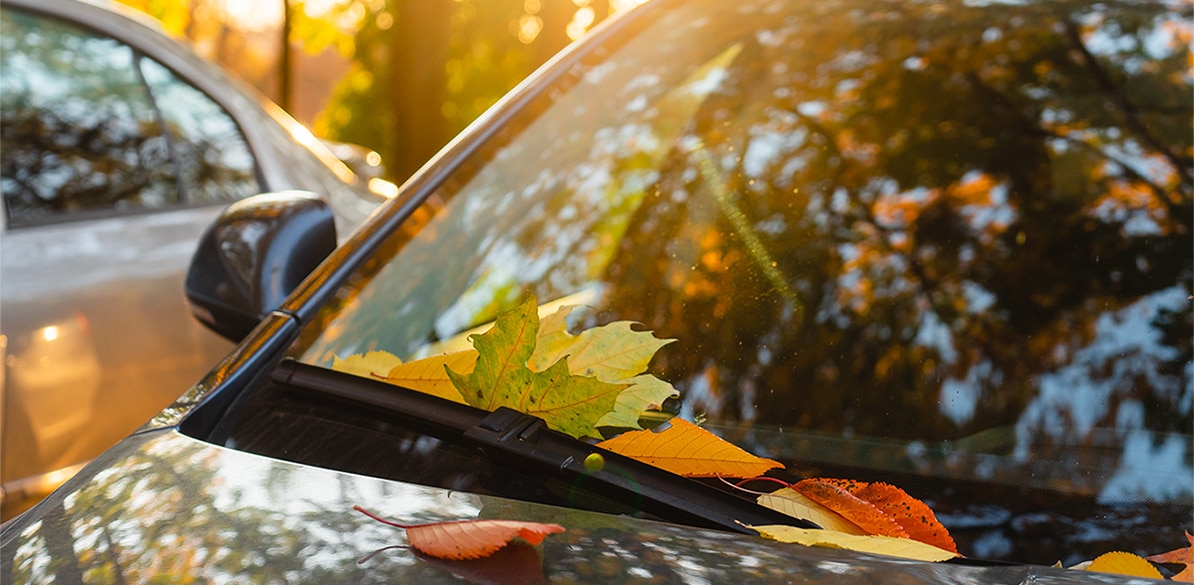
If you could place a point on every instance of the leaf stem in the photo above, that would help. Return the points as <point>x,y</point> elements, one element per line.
<point>379,518</point>
<point>761,478</point>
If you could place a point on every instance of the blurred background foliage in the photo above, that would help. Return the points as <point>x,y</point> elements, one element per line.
<point>399,76</point>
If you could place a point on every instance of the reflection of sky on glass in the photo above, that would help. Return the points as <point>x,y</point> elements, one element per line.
<point>1127,347</point>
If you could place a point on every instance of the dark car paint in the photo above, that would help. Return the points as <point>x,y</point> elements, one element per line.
<point>214,514</point>
<point>599,548</point>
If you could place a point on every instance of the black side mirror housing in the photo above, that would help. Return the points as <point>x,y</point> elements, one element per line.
<point>254,255</point>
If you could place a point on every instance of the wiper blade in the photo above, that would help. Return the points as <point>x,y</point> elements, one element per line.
<point>526,441</point>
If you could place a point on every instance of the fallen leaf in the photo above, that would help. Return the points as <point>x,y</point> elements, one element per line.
<point>609,352</point>
<point>1123,563</point>
<point>517,563</point>
<point>567,403</point>
<point>645,392</point>
<point>866,515</point>
<point>468,539</point>
<point>430,374</point>
<point>913,515</point>
<point>1180,556</point>
<point>796,505</point>
<point>613,353</point>
<point>373,364</point>
<point>688,450</point>
<point>880,545</point>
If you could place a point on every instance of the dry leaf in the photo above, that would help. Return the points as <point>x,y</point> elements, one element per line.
<point>688,450</point>
<point>430,374</point>
<point>567,403</point>
<point>1124,563</point>
<point>373,364</point>
<point>880,545</point>
<point>468,539</point>
<point>612,353</point>
<point>796,505</point>
<point>913,515</point>
<point>861,512</point>
<point>1181,556</point>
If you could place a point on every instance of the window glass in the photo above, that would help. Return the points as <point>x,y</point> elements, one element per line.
<point>77,125</point>
<point>213,158</point>
<point>883,253</point>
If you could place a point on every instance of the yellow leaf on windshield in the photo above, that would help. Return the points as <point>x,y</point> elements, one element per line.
<point>431,376</point>
<point>373,364</point>
<point>688,450</point>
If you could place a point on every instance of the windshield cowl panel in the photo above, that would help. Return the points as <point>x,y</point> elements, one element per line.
<point>942,246</point>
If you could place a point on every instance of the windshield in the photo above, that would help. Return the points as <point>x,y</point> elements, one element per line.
<point>945,247</point>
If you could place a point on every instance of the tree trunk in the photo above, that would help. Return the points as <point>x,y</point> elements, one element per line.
<point>417,83</point>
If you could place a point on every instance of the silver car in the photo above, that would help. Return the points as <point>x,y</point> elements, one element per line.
<point>119,146</point>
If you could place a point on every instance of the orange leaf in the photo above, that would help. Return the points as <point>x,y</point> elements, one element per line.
<point>913,515</point>
<point>688,450</point>
<point>468,539</point>
<point>857,510</point>
<point>797,505</point>
<point>1181,556</point>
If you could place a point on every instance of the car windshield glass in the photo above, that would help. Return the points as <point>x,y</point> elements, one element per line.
<point>944,246</point>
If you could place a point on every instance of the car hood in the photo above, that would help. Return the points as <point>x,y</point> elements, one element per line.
<point>162,506</point>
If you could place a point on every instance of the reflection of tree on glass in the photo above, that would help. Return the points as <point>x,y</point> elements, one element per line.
<point>960,247</point>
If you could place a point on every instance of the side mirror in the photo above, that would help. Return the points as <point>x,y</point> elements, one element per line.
<point>254,255</point>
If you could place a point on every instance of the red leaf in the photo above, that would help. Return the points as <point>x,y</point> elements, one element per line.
<point>861,512</point>
<point>468,539</point>
<point>1181,556</point>
<point>913,515</point>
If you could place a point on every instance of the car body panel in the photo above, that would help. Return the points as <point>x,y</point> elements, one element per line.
<point>211,513</point>
<point>230,495</point>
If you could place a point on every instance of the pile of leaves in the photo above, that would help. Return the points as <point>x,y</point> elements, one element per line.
<point>595,380</point>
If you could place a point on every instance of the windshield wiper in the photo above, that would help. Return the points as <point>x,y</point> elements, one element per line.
<point>525,441</point>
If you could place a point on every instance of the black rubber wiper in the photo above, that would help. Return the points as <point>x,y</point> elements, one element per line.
<point>525,441</point>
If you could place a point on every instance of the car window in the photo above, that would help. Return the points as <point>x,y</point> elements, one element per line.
<point>928,245</point>
<point>214,161</point>
<point>82,132</point>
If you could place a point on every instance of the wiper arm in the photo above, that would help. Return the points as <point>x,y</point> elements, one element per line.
<point>527,442</point>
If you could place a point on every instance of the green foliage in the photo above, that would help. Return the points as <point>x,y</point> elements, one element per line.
<point>612,353</point>
<point>568,403</point>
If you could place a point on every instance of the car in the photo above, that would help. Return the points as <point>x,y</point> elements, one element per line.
<point>941,247</point>
<point>119,147</point>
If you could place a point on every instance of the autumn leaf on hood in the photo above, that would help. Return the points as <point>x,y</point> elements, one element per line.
<point>880,545</point>
<point>567,403</point>
<point>1123,563</point>
<point>612,353</point>
<point>468,539</point>
<point>861,508</point>
<point>913,515</point>
<point>688,450</point>
<point>1180,556</point>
